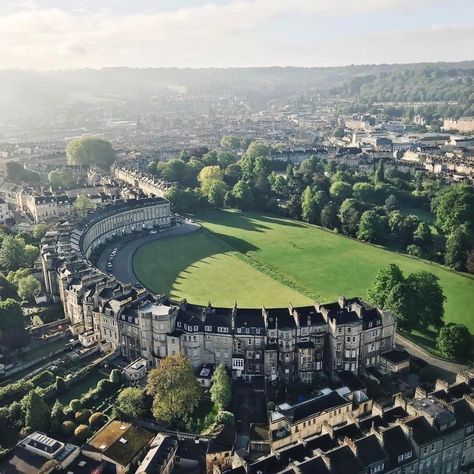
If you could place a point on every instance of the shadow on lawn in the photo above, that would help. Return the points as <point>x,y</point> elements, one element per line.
<point>198,247</point>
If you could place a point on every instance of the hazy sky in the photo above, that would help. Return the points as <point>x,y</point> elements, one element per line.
<point>57,34</point>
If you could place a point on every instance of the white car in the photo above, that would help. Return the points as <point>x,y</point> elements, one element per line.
<point>153,232</point>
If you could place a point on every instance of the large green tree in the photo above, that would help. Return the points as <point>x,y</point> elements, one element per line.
<point>90,151</point>
<point>130,403</point>
<point>455,341</point>
<point>36,411</point>
<point>340,190</point>
<point>428,299</point>
<point>12,324</point>
<point>14,253</point>
<point>372,227</point>
<point>386,278</point>
<point>174,388</point>
<point>309,208</point>
<point>242,195</point>
<point>457,248</point>
<point>454,207</point>
<point>349,216</point>
<point>221,389</point>
<point>28,288</point>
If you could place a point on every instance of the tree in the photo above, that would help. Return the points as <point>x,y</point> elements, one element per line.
<point>39,231</point>
<point>415,251</point>
<point>210,173</point>
<point>83,204</point>
<point>277,183</point>
<point>12,324</point>
<point>61,179</point>
<point>422,235</point>
<point>455,341</point>
<point>294,206</point>
<point>75,405</point>
<point>28,288</point>
<point>242,195</point>
<point>60,385</point>
<point>81,433</point>
<point>230,142</point>
<point>457,246</point>
<point>115,376</point>
<point>216,192</point>
<point>7,288</point>
<point>90,151</point>
<point>372,227</point>
<point>97,419</point>
<point>82,416</point>
<point>339,132</point>
<point>174,388</point>
<point>399,302</point>
<point>309,208</point>
<point>454,207</point>
<point>57,417</point>
<point>395,222</point>
<point>428,300</point>
<point>340,190</point>
<point>13,253</point>
<point>68,427</point>
<point>349,216</point>
<point>329,216</point>
<point>386,279</point>
<point>379,173</point>
<point>182,200</point>
<point>391,203</point>
<point>364,192</point>
<point>221,389</point>
<point>36,411</point>
<point>407,229</point>
<point>130,403</point>
<point>225,418</point>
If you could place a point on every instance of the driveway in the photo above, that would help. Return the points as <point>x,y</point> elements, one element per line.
<point>445,369</point>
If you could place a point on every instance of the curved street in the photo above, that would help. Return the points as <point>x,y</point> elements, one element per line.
<point>122,267</point>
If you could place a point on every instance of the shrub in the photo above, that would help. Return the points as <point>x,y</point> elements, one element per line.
<point>15,391</point>
<point>225,418</point>
<point>97,419</point>
<point>75,404</point>
<point>83,416</point>
<point>81,433</point>
<point>104,386</point>
<point>68,427</point>
<point>60,385</point>
<point>115,376</point>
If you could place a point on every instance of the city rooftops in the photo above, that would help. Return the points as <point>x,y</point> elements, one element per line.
<point>119,441</point>
<point>308,408</point>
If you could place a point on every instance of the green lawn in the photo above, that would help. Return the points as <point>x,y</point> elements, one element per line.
<point>320,263</point>
<point>203,269</point>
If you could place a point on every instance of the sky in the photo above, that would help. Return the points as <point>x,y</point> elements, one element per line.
<point>64,34</point>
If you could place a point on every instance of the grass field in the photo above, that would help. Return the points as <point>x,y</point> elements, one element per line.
<point>253,258</point>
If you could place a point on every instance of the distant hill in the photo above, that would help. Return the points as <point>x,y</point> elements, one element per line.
<point>32,88</point>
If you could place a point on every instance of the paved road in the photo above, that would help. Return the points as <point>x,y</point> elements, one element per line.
<point>445,369</point>
<point>122,267</point>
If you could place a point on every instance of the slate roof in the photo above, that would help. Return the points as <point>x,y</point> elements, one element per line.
<point>314,406</point>
<point>369,451</point>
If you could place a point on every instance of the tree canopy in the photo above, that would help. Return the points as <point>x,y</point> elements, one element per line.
<point>174,388</point>
<point>90,151</point>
